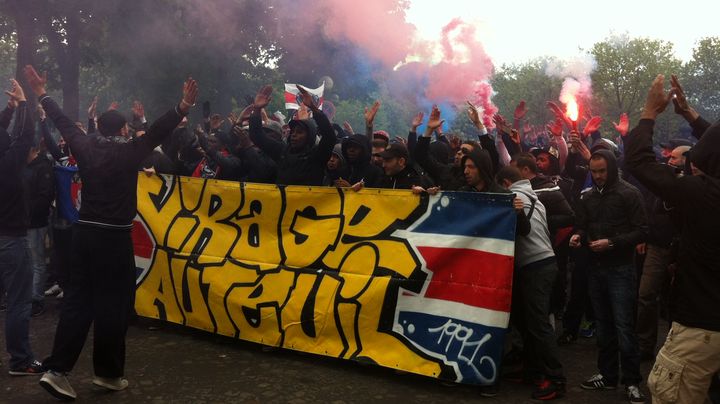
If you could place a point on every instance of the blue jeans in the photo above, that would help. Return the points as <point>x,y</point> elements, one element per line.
<point>36,241</point>
<point>613,293</point>
<point>17,281</point>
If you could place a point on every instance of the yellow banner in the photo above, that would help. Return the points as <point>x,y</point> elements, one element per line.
<point>319,270</point>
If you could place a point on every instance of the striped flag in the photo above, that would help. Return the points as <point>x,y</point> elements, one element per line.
<point>292,95</point>
<point>466,241</point>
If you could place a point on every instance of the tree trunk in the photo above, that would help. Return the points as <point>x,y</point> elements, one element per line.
<point>67,55</point>
<point>26,42</point>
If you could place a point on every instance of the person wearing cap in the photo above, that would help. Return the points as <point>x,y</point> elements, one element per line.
<point>101,285</point>
<point>15,272</point>
<point>399,174</point>
<point>300,161</point>
<point>685,365</point>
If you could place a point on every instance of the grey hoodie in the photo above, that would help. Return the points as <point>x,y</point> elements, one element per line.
<point>536,246</point>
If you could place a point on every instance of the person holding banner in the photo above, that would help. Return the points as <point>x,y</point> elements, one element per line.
<point>15,272</point>
<point>102,278</point>
<point>301,161</point>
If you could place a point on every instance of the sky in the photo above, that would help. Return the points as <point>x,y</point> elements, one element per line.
<point>514,32</point>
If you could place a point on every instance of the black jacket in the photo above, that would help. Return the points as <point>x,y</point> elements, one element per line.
<point>695,297</point>
<point>108,166</point>
<point>304,165</point>
<point>40,187</point>
<point>615,212</point>
<point>405,179</point>
<point>446,176</point>
<point>363,169</point>
<point>558,210</point>
<point>14,150</point>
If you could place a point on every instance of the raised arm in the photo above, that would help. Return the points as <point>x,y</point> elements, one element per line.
<point>7,114</point>
<point>370,118</point>
<point>23,132</point>
<point>271,147</point>
<point>640,159</point>
<point>47,137</point>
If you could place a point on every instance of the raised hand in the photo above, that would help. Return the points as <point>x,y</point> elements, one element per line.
<point>16,92</point>
<point>307,99</point>
<point>559,114</point>
<point>417,121</point>
<point>41,113</point>
<point>527,128</point>
<point>190,95</point>
<point>233,119</point>
<point>555,127</point>
<point>502,125</point>
<point>303,113</point>
<point>346,126</point>
<point>624,124</point>
<point>520,110</point>
<point>434,120</point>
<point>370,113</point>
<point>473,114</point>
<point>680,101</point>
<point>263,97</point>
<point>138,109</point>
<point>37,82</point>
<point>92,109</point>
<point>592,125</point>
<point>657,99</point>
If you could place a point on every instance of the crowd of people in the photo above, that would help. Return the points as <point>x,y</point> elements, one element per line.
<point>611,234</point>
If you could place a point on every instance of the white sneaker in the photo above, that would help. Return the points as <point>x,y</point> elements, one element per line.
<point>60,295</point>
<point>56,383</point>
<point>53,290</point>
<point>111,383</point>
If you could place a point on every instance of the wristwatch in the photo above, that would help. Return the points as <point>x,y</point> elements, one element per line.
<point>611,245</point>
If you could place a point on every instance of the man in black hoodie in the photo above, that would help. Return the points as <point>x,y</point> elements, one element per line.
<point>685,365</point>
<point>102,272</point>
<point>300,162</point>
<point>611,222</point>
<point>15,273</point>
<point>359,167</point>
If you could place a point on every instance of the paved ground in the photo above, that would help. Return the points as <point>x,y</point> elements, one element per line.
<point>179,365</point>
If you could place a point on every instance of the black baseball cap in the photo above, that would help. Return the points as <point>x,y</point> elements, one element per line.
<point>395,150</point>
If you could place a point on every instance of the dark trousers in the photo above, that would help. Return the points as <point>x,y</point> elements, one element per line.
<point>579,302</point>
<point>60,258</point>
<point>99,290</point>
<point>559,293</point>
<point>613,292</point>
<point>530,311</point>
<point>16,277</point>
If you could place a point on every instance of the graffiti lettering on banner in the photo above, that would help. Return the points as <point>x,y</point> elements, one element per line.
<point>366,276</point>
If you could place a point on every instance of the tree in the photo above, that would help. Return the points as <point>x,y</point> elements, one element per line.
<point>625,69</point>
<point>529,82</point>
<point>702,77</point>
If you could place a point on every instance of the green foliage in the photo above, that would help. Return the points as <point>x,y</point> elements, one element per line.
<point>702,77</point>
<point>527,82</point>
<point>625,69</point>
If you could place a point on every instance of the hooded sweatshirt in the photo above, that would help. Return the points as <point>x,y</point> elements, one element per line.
<point>304,164</point>
<point>536,246</point>
<point>615,211</point>
<point>484,163</point>
<point>695,296</point>
<point>362,169</point>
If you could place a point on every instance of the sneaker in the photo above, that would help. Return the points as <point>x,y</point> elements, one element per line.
<point>489,391</point>
<point>35,368</point>
<point>111,383</point>
<point>587,329</point>
<point>38,308</point>
<point>56,383</point>
<point>597,382</point>
<point>60,295</point>
<point>53,290</point>
<point>548,390</point>
<point>634,395</point>
<point>566,339</point>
